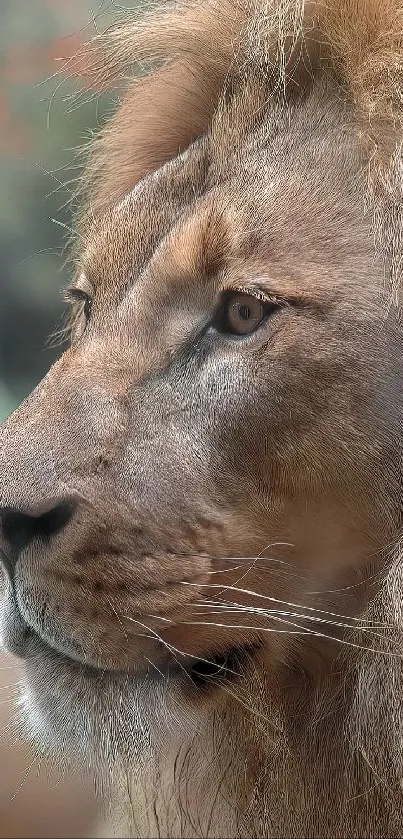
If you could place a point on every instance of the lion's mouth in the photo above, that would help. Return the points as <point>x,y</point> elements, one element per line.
<point>205,673</point>
<point>211,670</point>
<point>222,666</point>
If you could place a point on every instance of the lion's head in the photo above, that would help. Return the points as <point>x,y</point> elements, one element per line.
<point>201,499</point>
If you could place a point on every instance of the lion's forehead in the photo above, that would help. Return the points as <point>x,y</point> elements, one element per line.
<point>192,219</point>
<point>120,242</point>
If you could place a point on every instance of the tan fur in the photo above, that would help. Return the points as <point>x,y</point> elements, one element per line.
<point>170,492</point>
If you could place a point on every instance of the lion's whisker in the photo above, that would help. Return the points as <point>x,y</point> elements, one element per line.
<point>157,636</point>
<point>277,614</point>
<point>299,631</point>
<point>259,555</point>
<point>241,608</point>
<point>268,598</point>
<point>164,675</point>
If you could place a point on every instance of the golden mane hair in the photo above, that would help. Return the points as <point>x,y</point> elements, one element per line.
<point>193,58</point>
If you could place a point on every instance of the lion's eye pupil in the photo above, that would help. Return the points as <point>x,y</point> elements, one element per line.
<point>244,312</point>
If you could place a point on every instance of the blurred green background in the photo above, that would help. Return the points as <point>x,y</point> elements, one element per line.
<point>42,122</point>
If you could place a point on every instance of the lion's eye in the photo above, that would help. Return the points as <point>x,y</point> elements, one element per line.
<point>81,303</point>
<point>87,307</point>
<point>241,314</point>
<point>84,300</point>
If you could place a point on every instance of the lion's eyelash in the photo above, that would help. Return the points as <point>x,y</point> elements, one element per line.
<point>76,299</point>
<point>258,293</point>
<point>73,295</point>
<point>66,333</point>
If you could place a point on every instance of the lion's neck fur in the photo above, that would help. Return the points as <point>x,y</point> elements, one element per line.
<point>288,752</point>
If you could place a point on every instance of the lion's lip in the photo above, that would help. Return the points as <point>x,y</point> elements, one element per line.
<point>203,668</point>
<point>204,671</point>
<point>23,641</point>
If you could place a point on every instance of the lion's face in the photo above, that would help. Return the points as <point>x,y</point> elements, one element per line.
<point>207,458</point>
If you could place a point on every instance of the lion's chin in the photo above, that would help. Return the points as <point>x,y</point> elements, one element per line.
<point>101,718</point>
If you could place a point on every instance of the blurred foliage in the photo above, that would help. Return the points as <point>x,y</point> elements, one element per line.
<point>42,123</point>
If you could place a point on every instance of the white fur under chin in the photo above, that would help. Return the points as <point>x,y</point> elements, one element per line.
<point>154,758</point>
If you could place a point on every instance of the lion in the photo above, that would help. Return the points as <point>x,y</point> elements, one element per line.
<point>201,502</point>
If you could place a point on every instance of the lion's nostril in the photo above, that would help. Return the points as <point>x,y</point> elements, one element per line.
<point>20,528</point>
<point>51,523</point>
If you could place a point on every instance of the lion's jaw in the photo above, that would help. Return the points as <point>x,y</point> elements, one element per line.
<point>171,494</point>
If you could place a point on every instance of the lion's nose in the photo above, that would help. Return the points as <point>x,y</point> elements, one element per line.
<point>18,529</point>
